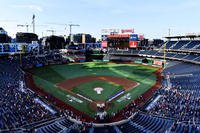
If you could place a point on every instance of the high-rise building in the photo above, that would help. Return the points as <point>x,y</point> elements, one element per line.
<point>26,37</point>
<point>4,38</point>
<point>53,42</point>
<point>83,38</point>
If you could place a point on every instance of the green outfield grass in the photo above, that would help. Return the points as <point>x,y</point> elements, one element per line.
<point>46,77</point>
<point>87,89</point>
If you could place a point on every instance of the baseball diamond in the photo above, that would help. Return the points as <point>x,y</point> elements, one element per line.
<point>79,81</point>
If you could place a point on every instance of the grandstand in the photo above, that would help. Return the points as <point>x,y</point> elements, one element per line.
<point>184,50</point>
<point>173,107</point>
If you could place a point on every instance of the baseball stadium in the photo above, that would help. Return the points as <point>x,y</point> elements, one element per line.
<point>91,79</point>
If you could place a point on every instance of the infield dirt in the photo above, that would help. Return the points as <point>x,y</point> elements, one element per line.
<point>71,83</point>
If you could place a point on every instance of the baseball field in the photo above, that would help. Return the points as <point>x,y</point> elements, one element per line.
<point>82,85</point>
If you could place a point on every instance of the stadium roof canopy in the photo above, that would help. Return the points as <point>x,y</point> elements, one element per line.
<point>183,37</point>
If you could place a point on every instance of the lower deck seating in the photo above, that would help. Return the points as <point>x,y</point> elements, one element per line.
<point>105,129</point>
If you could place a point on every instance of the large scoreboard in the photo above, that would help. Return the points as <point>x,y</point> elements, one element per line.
<point>124,39</point>
<point>118,40</point>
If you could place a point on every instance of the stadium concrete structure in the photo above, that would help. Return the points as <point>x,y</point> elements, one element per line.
<point>130,89</point>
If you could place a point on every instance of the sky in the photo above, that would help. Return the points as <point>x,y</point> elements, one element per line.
<point>152,18</point>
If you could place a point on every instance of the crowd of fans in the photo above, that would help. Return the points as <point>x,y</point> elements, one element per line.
<point>17,103</point>
<point>18,106</point>
<point>181,105</point>
<point>31,60</point>
<point>180,97</point>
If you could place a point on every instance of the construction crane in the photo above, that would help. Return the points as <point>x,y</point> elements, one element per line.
<point>52,31</point>
<point>33,25</point>
<point>24,25</point>
<point>70,31</point>
<point>70,28</point>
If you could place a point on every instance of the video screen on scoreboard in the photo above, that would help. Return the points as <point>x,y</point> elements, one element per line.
<point>118,42</point>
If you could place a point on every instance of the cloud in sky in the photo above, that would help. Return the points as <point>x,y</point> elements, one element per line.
<point>30,7</point>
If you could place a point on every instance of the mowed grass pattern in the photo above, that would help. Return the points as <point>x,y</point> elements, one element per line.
<point>46,77</point>
<point>87,90</point>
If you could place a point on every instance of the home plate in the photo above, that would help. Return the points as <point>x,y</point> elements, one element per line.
<point>98,90</point>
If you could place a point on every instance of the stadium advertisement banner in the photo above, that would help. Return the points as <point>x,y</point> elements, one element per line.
<point>141,37</point>
<point>134,37</point>
<point>133,44</point>
<point>157,62</point>
<point>117,31</point>
<point>119,36</point>
<point>127,30</point>
<point>108,31</point>
<point>12,48</point>
<point>104,37</point>
<point>104,44</point>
